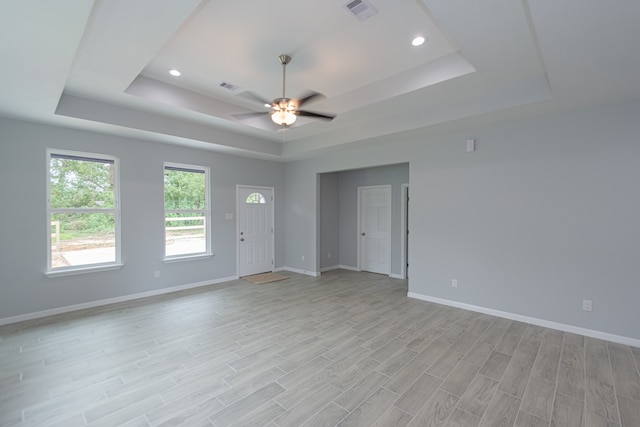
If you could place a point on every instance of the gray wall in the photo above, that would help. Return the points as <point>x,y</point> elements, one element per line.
<point>23,286</point>
<point>301,208</point>
<point>540,217</point>
<point>329,220</point>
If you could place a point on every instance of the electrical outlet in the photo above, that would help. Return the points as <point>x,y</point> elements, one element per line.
<point>454,283</point>
<point>587,304</point>
<point>302,257</point>
<point>156,274</point>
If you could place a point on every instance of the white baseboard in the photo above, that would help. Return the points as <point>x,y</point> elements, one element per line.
<point>532,320</point>
<point>351,268</point>
<point>295,270</point>
<point>348,267</point>
<point>339,267</point>
<point>98,303</point>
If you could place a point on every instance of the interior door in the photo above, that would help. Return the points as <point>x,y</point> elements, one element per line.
<point>375,229</point>
<point>255,230</point>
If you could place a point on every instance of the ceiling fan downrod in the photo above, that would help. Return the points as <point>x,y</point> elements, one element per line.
<point>284,60</point>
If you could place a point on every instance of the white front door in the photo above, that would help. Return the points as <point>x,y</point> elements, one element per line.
<point>375,228</point>
<point>255,230</point>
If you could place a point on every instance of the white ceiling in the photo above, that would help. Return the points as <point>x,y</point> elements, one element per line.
<point>103,65</point>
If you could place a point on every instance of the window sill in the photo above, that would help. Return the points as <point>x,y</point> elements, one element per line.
<point>83,270</point>
<point>179,258</point>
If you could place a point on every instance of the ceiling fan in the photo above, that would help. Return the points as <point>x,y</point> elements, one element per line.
<point>284,111</point>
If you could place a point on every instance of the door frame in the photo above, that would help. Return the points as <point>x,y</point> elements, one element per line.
<point>273,224</point>
<point>404,230</point>
<point>389,222</point>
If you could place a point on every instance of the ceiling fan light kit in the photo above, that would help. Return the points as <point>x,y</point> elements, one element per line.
<point>284,111</point>
<point>283,117</point>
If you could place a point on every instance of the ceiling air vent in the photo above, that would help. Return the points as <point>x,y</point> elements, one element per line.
<point>361,9</point>
<point>229,86</point>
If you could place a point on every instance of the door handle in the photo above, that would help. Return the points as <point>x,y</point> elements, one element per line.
<point>363,233</point>
<point>242,239</point>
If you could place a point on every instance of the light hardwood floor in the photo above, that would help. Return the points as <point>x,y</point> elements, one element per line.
<point>345,349</point>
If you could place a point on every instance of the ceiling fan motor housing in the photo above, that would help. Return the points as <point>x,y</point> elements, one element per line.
<point>283,104</point>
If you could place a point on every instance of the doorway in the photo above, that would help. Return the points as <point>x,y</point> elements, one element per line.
<point>254,230</point>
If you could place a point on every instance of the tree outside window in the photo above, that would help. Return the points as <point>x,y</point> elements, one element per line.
<point>187,214</point>
<point>83,210</point>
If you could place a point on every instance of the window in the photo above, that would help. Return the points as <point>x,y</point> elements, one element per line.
<point>83,212</point>
<point>255,198</point>
<point>186,211</point>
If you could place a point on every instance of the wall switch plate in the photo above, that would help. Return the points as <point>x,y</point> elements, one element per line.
<point>454,283</point>
<point>329,255</point>
<point>156,274</point>
<point>302,257</point>
<point>587,305</point>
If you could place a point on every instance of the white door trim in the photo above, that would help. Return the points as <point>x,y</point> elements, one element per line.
<point>404,199</point>
<point>273,224</point>
<point>359,240</point>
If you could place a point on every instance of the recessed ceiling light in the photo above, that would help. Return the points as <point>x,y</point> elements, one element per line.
<point>417,41</point>
<point>175,73</point>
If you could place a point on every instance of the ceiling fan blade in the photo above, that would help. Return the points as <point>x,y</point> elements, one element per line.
<point>309,97</point>
<point>254,97</point>
<point>323,116</point>
<point>243,116</point>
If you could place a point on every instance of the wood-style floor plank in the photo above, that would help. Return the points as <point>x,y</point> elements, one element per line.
<point>346,348</point>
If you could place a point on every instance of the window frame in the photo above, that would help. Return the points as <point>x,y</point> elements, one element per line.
<point>206,212</point>
<point>116,211</point>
